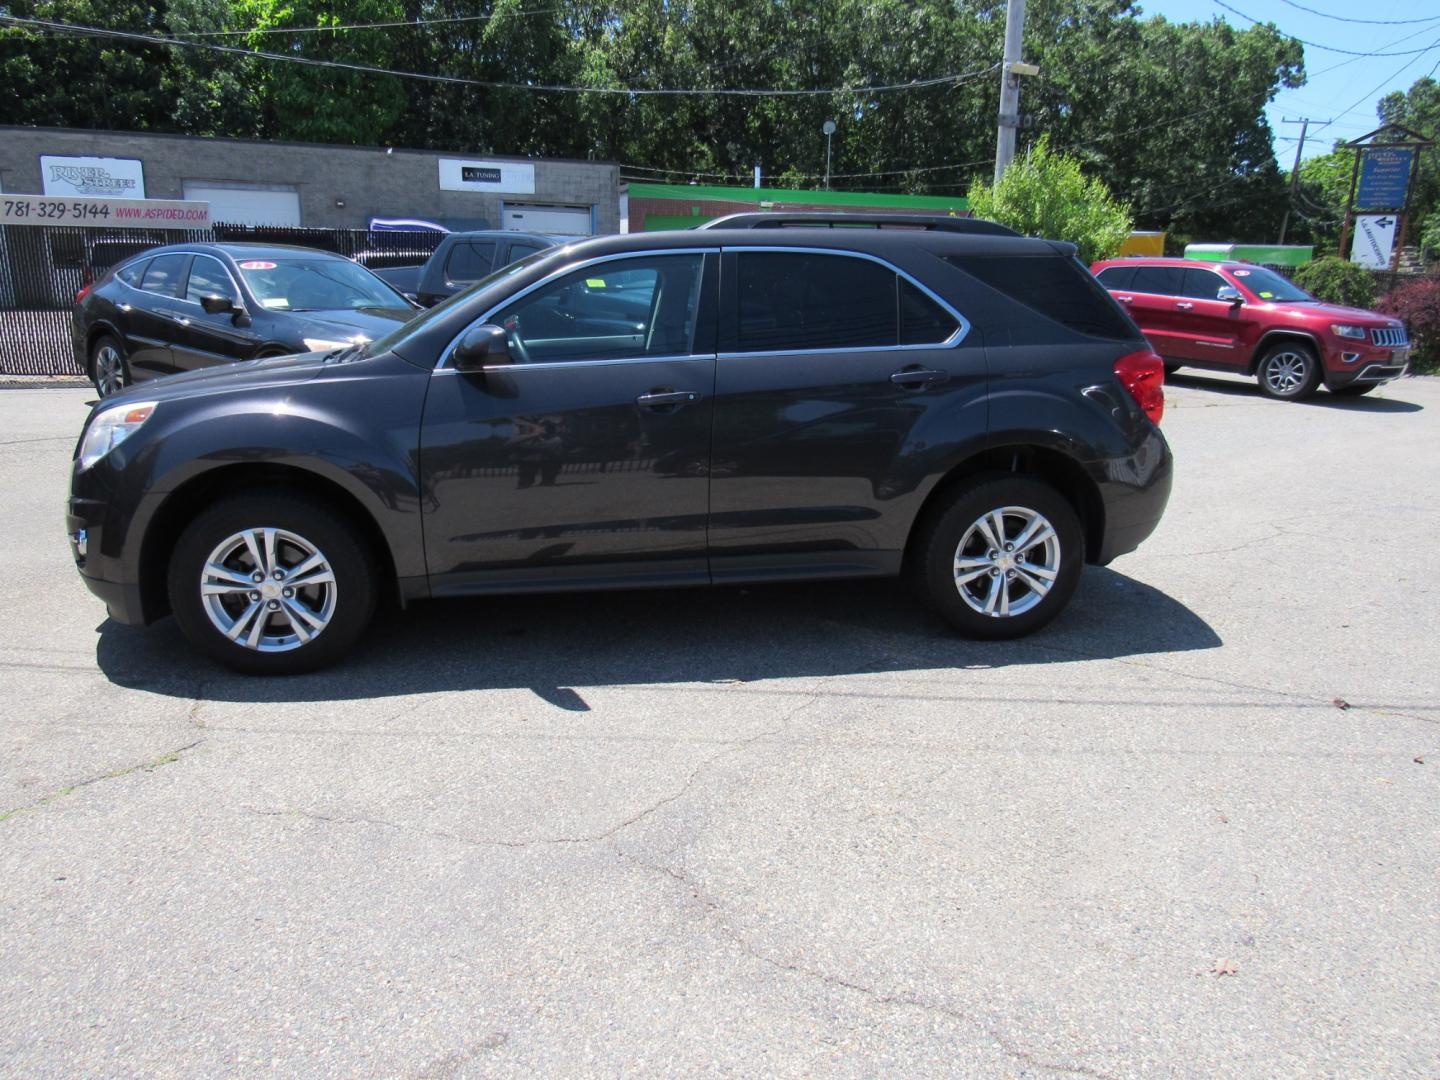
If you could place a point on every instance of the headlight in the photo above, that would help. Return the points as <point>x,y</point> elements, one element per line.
<point>1341,330</point>
<point>320,344</point>
<point>111,428</point>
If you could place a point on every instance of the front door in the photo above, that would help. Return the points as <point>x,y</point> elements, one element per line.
<point>835,362</point>
<point>585,462</point>
<point>211,339</point>
<point>1208,330</point>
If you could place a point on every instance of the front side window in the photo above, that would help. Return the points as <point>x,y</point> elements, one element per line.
<point>315,284</point>
<point>208,278</point>
<point>1203,284</point>
<point>627,308</point>
<point>469,261</point>
<point>162,276</point>
<point>799,301</point>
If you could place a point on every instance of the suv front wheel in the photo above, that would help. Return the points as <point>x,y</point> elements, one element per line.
<point>1002,559</point>
<point>271,584</point>
<point>1289,371</point>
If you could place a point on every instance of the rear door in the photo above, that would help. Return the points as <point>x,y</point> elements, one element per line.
<point>211,339</point>
<point>1152,299</point>
<point>157,316</point>
<point>829,362</point>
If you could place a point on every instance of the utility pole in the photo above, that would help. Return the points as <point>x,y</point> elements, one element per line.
<point>1304,123</point>
<point>1011,68</point>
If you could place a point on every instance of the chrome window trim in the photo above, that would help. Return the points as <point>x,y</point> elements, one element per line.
<point>569,267</point>
<point>962,323</point>
<point>563,364</point>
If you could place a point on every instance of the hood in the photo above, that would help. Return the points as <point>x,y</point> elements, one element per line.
<point>345,324</point>
<point>247,375</point>
<point>1341,314</point>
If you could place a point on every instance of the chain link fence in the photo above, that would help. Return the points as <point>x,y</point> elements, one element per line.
<point>43,267</point>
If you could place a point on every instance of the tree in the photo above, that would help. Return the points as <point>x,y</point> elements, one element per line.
<point>1419,109</point>
<point>1045,193</point>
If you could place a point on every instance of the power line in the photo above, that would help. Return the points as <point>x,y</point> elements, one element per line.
<point>147,39</point>
<point>1383,83</point>
<point>1316,45</point>
<point>418,23</point>
<point>1367,22</point>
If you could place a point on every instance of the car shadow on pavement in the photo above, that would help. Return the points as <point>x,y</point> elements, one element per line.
<point>551,643</point>
<point>1321,398</point>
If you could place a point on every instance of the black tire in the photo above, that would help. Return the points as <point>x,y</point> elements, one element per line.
<point>1354,389</point>
<point>1288,371</point>
<point>109,366</point>
<point>951,533</point>
<point>304,528</point>
<point>1170,369</point>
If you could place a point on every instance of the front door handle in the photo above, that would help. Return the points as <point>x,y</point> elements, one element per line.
<point>916,377</point>
<point>666,399</point>
<point>183,320</point>
<point>1125,299</point>
<point>1183,306</point>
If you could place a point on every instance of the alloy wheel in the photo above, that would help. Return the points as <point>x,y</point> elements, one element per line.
<point>268,589</point>
<point>1007,561</point>
<point>109,371</point>
<point>1286,372</point>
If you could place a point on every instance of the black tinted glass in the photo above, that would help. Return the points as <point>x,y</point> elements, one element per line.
<point>469,262</point>
<point>627,308</point>
<point>922,320</point>
<point>132,273</point>
<point>208,278</point>
<point>1117,277</point>
<point>1203,284</point>
<point>519,251</point>
<point>1159,280</point>
<point>804,301</point>
<point>162,276</point>
<point>1056,287</point>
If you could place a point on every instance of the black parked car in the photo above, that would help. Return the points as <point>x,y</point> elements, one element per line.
<point>656,409</point>
<point>463,258</point>
<point>197,305</point>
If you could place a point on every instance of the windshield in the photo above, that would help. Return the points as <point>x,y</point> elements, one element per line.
<point>1270,286</point>
<point>316,284</point>
<point>400,333</point>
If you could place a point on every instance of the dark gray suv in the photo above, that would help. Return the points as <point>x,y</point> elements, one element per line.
<point>970,410</point>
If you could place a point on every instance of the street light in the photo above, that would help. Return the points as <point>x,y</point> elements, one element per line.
<point>829,129</point>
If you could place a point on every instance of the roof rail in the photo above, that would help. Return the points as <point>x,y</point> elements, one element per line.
<point>822,220</point>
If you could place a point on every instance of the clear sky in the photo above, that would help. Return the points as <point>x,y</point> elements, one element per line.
<point>1342,88</point>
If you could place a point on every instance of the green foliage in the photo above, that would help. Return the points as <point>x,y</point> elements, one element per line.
<point>1319,209</point>
<point>1419,109</point>
<point>1045,193</point>
<point>1417,304</point>
<point>1337,281</point>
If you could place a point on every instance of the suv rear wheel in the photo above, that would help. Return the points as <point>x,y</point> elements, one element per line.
<point>1002,559</point>
<point>1289,371</point>
<point>271,584</point>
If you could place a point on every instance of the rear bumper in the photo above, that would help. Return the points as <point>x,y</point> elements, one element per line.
<point>1135,494</point>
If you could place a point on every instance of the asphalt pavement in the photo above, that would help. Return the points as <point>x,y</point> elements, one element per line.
<point>1190,830</point>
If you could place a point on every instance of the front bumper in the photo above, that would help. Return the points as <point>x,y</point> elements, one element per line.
<point>88,522</point>
<point>1348,365</point>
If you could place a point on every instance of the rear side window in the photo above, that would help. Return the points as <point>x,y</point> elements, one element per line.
<point>1117,277</point>
<point>803,301</point>
<point>1159,280</point>
<point>1058,288</point>
<point>132,273</point>
<point>469,262</point>
<point>163,274</point>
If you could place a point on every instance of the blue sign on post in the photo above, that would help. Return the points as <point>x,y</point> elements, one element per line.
<point>1384,177</point>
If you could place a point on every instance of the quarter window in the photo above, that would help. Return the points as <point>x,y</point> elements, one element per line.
<point>1117,277</point>
<point>627,308</point>
<point>163,275</point>
<point>208,278</point>
<point>922,320</point>
<point>802,301</point>
<point>469,262</point>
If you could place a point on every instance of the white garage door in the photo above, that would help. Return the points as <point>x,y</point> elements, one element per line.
<point>570,220</point>
<point>247,204</point>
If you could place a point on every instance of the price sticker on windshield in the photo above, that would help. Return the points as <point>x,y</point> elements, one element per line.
<point>255,264</point>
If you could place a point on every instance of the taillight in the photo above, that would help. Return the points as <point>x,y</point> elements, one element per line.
<point>1143,374</point>
<point>84,292</point>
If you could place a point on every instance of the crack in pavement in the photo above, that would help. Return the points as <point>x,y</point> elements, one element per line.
<point>167,758</point>
<point>714,908</point>
<point>591,838</point>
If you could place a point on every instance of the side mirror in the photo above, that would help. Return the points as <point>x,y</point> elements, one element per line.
<point>1229,294</point>
<point>481,347</point>
<point>219,305</point>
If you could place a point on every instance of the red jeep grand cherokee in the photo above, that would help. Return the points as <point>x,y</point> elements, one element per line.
<point>1234,316</point>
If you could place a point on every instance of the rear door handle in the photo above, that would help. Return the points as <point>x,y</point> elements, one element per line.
<point>1125,299</point>
<point>1182,306</point>
<point>917,377</point>
<point>661,399</point>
